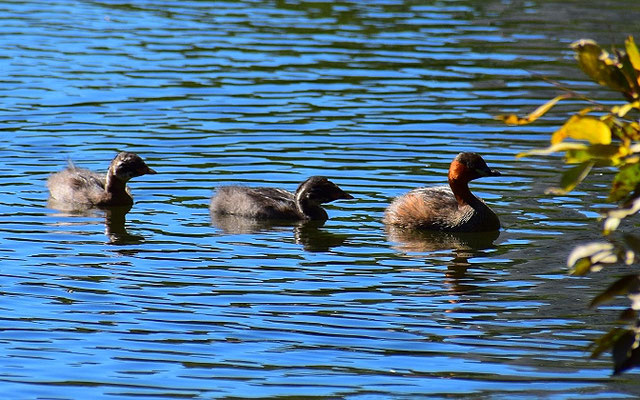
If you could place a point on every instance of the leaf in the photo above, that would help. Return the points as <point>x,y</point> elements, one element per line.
<point>626,211</point>
<point>629,73</point>
<point>513,119</point>
<point>572,177</point>
<point>635,300</point>
<point>553,149</point>
<point>625,352</point>
<point>625,182</point>
<point>613,217</point>
<point>630,257</point>
<point>583,127</point>
<point>610,225</point>
<point>621,111</point>
<point>597,64</point>
<point>632,241</point>
<point>604,154</point>
<point>581,267</point>
<point>585,257</point>
<point>633,53</point>
<point>631,131</point>
<point>628,284</point>
<point>606,341</point>
<point>628,315</point>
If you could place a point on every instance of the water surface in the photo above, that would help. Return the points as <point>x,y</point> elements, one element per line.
<point>167,302</point>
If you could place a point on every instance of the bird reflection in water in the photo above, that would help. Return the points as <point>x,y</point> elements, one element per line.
<point>114,221</point>
<point>114,224</point>
<point>462,247</point>
<point>307,233</point>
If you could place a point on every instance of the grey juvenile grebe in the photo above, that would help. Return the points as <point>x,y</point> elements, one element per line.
<point>273,203</point>
<point>450,209</point>
<point>78,188</point>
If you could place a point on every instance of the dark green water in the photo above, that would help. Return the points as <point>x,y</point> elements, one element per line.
<point>378,96</point>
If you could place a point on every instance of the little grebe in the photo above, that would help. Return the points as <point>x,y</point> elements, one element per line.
<point>78,188</point>
<point>273,203</point>
<point>450,209</point>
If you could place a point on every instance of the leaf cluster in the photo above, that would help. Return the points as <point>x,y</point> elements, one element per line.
<point>605,136</point>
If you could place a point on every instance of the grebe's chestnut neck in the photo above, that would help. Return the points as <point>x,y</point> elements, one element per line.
<point>463,169</point>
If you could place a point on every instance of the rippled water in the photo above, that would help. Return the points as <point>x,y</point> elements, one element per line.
<point>378,96</point>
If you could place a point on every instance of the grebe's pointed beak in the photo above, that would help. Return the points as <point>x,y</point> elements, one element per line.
<point>346,196</point>
<point>146,170</point>
<point>340,194</point>
<point>488,172</point>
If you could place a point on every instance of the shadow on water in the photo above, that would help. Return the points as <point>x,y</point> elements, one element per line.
<point>309,234</point>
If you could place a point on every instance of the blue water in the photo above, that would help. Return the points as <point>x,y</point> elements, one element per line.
<point>378,96</point>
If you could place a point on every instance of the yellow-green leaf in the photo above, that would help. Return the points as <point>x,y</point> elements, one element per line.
<point>613,217</point>
<point>630,75</point>
<point>602,154</point>
<point>553,149</point>
<point>597,64</point>
<point>621,111</point>
<point>625,182</point>
<point>610,225</point>
<point>606,341</point>
<point>635,300</point>
<point>584,257</point>
<point>572,177</point>
<point>625,351</point>
<point>513,119</point>
<point>631,131</point>
<point>626,211</point>
<point>583,127</point>
<point>581,267</point>
<point>633,53</point>
<point>630,257</point>
<point>625,285</point>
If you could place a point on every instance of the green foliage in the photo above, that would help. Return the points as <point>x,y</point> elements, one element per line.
<point>596,136</point>
<point>625,181</point>
<point>615,72</point>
